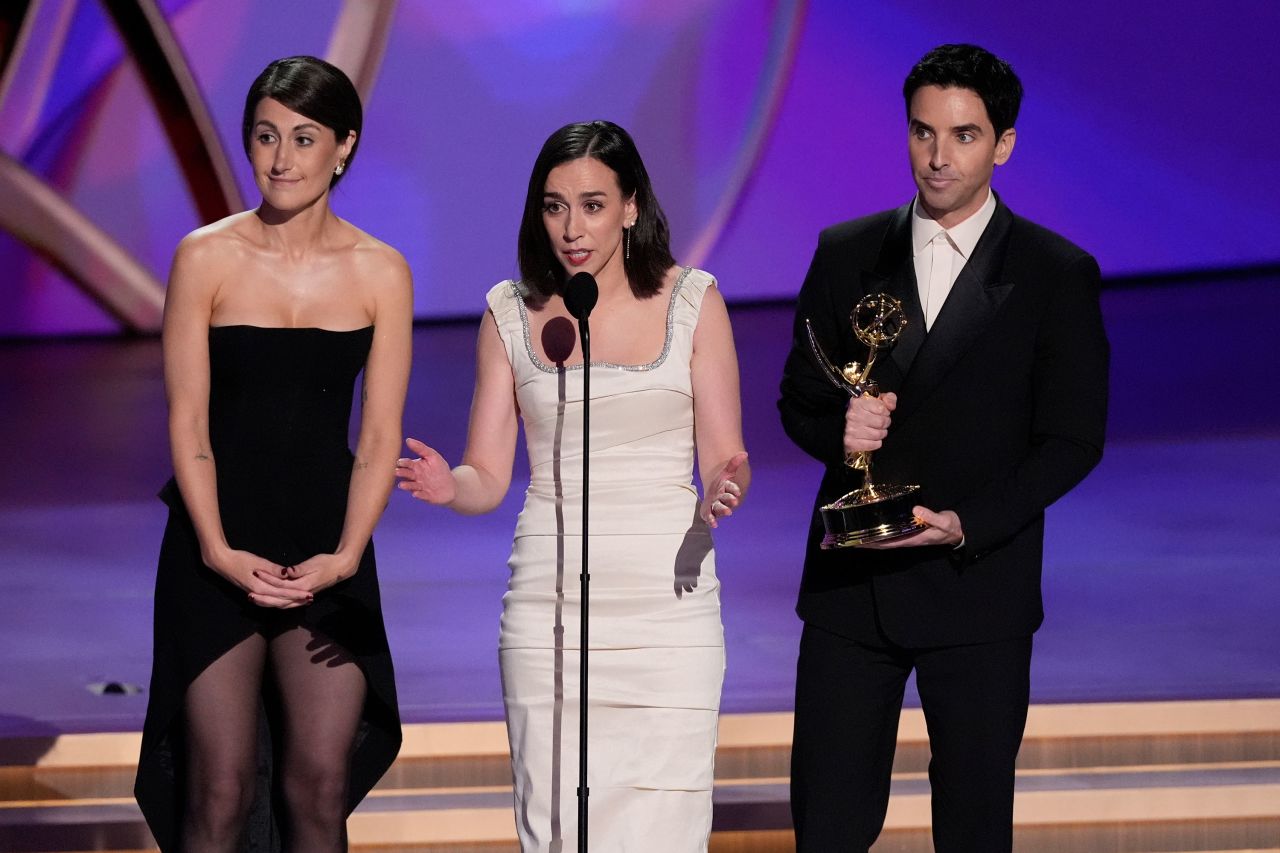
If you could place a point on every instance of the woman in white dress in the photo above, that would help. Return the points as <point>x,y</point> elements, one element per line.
<point>664,388</point>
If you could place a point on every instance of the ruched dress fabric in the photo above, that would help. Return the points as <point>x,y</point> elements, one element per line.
<point>279,411</point>
<point>656,662</point>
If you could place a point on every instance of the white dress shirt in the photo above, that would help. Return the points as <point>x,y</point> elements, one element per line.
<point>940,253</point>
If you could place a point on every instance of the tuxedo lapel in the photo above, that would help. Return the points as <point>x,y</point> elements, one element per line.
<point>895,274</point>
<point>973,301</point>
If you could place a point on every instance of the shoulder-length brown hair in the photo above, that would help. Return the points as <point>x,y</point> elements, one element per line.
<point>650,252</point>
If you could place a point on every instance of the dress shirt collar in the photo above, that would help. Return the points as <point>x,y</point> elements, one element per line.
<point>963,237</point>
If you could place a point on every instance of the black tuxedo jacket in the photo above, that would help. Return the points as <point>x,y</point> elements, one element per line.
<point>1001,410</point>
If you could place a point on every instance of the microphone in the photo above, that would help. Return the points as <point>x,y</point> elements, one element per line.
<point>580,295</point>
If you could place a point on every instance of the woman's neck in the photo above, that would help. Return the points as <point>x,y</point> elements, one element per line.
<point>613,284</point>
<point>295,233</point>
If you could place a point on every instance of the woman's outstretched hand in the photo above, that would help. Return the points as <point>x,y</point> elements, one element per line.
<point>428,477</point>
<point>722,494</point>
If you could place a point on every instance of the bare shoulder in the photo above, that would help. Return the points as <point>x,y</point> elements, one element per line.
<point>377,263</point>
<point>660,300</point>
<point>670,279</point>
<point>381,273</point>
<point>218,244</point>
<point>211,255</point>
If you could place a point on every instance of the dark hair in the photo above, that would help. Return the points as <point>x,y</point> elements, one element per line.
<point>967,66</point>
<point>650,238</point>
<point>313,88</point>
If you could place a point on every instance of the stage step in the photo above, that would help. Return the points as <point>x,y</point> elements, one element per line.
<point>1158,777</point>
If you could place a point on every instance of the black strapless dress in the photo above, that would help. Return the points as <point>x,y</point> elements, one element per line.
<point>279,411</point>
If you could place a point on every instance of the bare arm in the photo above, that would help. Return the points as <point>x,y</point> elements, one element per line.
<point>717,411</point>
<point>188,308</point>
<point>386,381</point>
<point>185,339</point>
<point>480,483</point>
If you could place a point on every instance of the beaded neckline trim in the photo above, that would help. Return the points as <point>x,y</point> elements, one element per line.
<point>636,368</point>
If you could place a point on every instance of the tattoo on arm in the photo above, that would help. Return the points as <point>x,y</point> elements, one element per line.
<point>202,457</point>
<point>360,466</point>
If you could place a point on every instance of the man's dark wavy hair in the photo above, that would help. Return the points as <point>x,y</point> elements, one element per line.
<point>967,66</point>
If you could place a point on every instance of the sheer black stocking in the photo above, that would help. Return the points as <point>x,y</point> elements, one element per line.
<point>322,692</point>
<point>221,709</point>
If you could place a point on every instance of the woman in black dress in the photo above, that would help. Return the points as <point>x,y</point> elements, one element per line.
<point>267,601</point>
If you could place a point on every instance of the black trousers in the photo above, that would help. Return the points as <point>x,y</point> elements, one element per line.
<point>848,698</point>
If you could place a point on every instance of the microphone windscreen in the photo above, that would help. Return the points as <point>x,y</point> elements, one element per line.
<point>580,295</point>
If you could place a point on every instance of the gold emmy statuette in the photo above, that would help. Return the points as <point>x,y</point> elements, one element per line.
<point>871,513</point>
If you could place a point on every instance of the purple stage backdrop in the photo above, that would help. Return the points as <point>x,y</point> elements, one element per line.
<point>761,122</point>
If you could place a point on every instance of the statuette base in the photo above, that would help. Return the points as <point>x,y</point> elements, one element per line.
<point>870,514</point>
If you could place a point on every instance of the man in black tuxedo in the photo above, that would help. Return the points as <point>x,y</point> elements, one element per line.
<point>994,402</point>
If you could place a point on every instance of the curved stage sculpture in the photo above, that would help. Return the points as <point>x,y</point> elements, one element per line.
<point>39,216</point>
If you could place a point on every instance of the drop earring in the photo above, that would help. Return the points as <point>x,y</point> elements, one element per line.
<point>626,250</point>
<point>340,168</point>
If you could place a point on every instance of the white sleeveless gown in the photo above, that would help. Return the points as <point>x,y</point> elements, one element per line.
<point>657,645</point>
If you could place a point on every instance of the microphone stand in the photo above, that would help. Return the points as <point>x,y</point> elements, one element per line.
<point>580,295</point>
<point>584,331</point>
